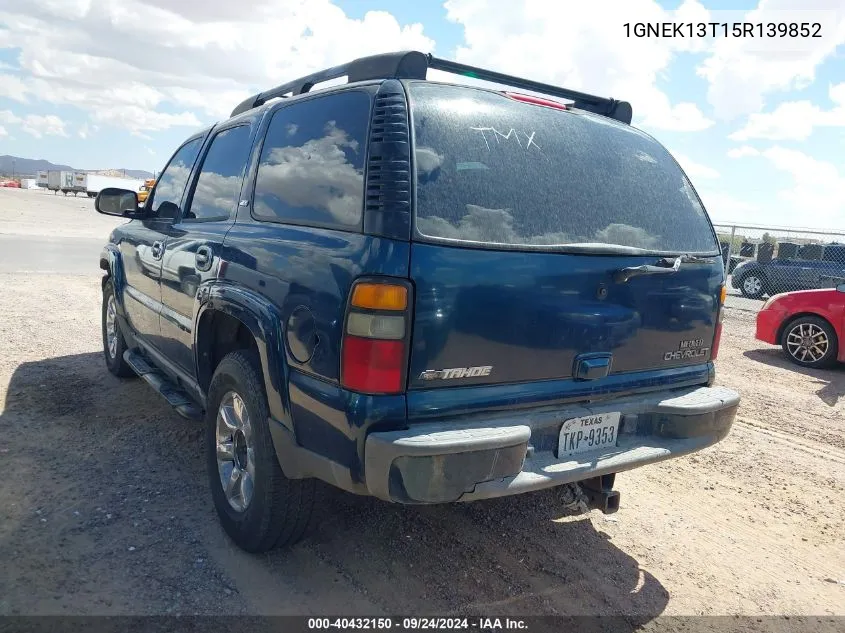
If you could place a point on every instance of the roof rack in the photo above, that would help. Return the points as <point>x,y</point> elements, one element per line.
<point>415,65</point>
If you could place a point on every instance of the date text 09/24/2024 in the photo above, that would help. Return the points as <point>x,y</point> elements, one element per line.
<point>417,624</point>
<point>722,29</point>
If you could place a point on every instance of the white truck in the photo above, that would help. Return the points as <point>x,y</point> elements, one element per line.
<point>94,183</point>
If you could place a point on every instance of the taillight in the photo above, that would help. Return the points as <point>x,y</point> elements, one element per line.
<point>372,366</point>
<point>375,338</point>
<point>717,338</point>
<point>379,296</point>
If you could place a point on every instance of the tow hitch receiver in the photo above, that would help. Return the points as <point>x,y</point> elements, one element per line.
<point>600,493</point>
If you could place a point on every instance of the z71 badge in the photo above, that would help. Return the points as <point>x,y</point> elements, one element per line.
<point>688,349</point>
<point>456,372</point>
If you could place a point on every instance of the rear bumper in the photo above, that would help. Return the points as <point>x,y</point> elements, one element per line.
<point>441,462</point>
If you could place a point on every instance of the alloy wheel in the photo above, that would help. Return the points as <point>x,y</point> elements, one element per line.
<point>111,327</point>
<point>752,285</point>
<point>807,342</point>
<point>235,451</point>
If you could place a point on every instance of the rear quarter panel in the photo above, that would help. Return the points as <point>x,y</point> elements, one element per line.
<point>306,274</point>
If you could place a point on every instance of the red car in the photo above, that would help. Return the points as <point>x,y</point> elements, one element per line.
<point>808,324</point>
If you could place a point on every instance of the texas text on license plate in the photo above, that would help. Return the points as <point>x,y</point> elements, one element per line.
<point>588,433</point>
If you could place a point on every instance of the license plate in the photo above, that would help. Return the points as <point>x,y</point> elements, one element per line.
<point>588,433</point>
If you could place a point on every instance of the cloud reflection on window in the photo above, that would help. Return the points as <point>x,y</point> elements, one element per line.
<point>171,184</point>
<point>169,189</point>
<point>219,184</point>
<point>480,224</point>
<point>428,160</point>
<point>215,195</point>
<point>312,168</point>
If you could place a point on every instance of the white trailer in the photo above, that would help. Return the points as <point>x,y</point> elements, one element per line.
<point>66,181</point>
<point>78,185</point>
<point>55,179</point>
<point>95,183</point>
<point>41,179</point>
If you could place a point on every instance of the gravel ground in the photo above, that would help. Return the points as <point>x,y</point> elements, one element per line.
<point>106,508</point>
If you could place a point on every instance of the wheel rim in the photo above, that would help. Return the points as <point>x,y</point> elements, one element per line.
<point>752,285</point>
<point>111,327</point>
<point>807,342</point>
<point>235,451</point>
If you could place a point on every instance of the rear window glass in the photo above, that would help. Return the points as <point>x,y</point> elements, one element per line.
<point>311,169</point>
<point>495,170</point>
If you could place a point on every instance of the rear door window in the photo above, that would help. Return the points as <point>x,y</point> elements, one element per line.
<point>218,187</point>
<point>500,172</point>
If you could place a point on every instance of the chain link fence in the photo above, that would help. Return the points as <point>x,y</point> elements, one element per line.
<point>763,261</point>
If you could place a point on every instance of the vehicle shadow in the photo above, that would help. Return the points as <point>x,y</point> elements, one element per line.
<point>522,555</point>
<point>832,380</point>
<point>108,512</point>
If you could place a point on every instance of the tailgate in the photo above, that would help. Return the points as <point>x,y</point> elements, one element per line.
<point>490,317</point>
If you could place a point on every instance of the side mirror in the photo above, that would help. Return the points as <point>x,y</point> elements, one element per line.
<point>840,288</point>
<point>121,202</point>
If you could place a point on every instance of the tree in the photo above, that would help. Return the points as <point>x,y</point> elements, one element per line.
<point>737,241</point>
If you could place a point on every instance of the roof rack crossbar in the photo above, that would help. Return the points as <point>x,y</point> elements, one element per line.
<point>414,65</point>
<point>404,65</point>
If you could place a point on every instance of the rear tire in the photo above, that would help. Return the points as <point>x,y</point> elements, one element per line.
<point>810,341</point>
<point>114,345</point>
<point>262,509</point>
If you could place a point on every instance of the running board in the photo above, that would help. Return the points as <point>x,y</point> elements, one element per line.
<point>156,379</point>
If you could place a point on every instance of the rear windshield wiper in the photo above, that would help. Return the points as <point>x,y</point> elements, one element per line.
<point>666,265</point>
<point>685,259</point>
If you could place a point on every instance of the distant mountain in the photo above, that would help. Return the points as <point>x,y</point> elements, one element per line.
<point>27,166</point>
<point>30,167</point>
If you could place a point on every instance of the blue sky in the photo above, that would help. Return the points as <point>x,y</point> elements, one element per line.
<point>758,125</point>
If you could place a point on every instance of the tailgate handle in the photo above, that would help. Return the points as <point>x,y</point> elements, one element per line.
<point>623,275</point>
<point>592,366</point>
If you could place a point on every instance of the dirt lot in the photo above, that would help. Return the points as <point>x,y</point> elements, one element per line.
<point>106,509</point>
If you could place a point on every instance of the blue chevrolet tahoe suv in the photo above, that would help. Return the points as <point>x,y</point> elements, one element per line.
<point>420,291</point>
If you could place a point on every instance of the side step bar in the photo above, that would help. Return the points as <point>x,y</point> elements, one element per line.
<point>175,397</point>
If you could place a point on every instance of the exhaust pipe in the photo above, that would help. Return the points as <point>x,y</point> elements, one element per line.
<point>600,493</point>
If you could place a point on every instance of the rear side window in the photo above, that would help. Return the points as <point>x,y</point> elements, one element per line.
<point>218,187</point>
<point>498,171</point>
<point>311,169</point>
